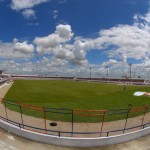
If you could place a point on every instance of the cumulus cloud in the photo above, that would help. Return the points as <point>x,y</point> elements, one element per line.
<point>49,43</point>
<point>86,45</point>
<point>29,14</point>
<point>128,41</point>
<point>80,50</point>
<point>25,4</point>
<point>57,45</point>
<point>124,58</point>
<point>63,52</point>
<point>16,50</point>
<point>45,59</point>
<point>142,19</point>
<point>110,63</point>
<point>120,44</point>
<point>46,44</point>
<point>24,47</point>
<point>6,50</point>
<point>58,62</point>
<point>64,32</point>
<point>5,65</point>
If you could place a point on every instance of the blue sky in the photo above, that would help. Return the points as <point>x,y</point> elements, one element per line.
<point>66,37</point>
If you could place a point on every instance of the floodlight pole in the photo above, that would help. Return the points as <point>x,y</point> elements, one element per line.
<point>90,71</point>
<point>130,65</point>
<point>107,70</point>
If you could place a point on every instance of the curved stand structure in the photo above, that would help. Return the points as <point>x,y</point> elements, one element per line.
<point>73,142</point>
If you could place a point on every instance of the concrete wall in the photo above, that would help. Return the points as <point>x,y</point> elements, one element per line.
<point>73,142</point>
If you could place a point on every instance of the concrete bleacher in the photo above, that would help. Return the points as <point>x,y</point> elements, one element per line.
<point>135,81</point>
<point>4,79</point>
<point>114,80</point>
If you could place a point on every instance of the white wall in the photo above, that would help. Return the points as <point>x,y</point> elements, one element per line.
<point>73,142</point>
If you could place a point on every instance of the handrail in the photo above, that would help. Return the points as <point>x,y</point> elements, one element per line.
<point>101,113</point>
<point>58,131</point>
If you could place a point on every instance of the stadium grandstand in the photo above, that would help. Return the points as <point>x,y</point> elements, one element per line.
<point>4,78</point>
<point>132,81</point>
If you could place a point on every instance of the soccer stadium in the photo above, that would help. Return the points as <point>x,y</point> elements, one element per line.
<point>75,74</point>
<point>76,107</point>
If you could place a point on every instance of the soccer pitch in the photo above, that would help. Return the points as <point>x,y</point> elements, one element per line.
<point>76,95</point>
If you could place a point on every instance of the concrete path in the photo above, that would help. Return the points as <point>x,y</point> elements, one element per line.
<point>4,88</point>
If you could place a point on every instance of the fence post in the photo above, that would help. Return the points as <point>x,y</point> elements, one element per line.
<point>59,133</point>
<point>126,120</point>
<point>45,120</point>
<point>21,115</point>
<point>6,111</point>
<point>107,134</point>
<point>103,117</point>
<point>72,124</point>
<point>146,107</point>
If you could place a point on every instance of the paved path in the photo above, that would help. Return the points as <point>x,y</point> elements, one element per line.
<point>4,88</point>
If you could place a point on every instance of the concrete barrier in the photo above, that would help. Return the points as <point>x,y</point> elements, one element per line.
<point>71,141</point>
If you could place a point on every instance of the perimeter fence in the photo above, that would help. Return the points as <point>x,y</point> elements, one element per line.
<point>74,123</point>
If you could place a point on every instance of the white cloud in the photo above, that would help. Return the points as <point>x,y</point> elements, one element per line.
<point>55,14</point>
<point>80,50</point>
<point>6,50</point>
<point>16,50</point>
<point>5,65</point>
<point>57,45</point>
<point>24,48</point>
<point>64,32</point>
<point>62,52</point>
<point>46,44</point>
<point>86,45</point>
<point>29,14</point>
<point>58,62</point>
<point>45,60</point>
<point>143,19</point>
<point>49,43</point>
<point>79,62</point>
<point>132,41</point>
<point>120,44</point>
<point>124,58</point>
<point>25,4</point>
<point>110,62</point>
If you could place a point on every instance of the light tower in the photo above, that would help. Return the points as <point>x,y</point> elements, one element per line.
<point>107,71</point>
<point>130,69</point>
<point>90,71</point>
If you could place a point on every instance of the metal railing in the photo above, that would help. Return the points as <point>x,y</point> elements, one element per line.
<point>72,123</point>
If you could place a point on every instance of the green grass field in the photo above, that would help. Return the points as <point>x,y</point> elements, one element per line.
<point>75,95</point>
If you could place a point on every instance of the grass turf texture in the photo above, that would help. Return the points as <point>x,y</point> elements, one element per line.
<point>75,95</point>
